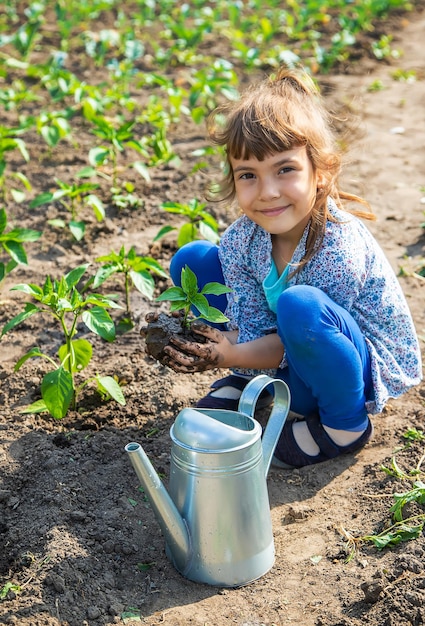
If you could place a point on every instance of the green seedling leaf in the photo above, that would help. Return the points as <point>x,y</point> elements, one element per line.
<point>396,535</point>
<point>99,322</point>
<point>42,198</point>
<point>97,205</point>
<point>417,494</point>
<point>29,310</point>
<point>216,289</point>
<point>74,276</point>
<point>142,169</point>
<point>9,587</point>
<point>57,223</point>
<point>81,354</point>
<point>57,391</point>
<point>189,281</point>
<point>144,567</point>
<point>215,315</point>
<point>143,282</point>
<point>394,470</point>
<point>36,407</point>
<point>412,434</point>
<point>77,229</point>
<point>172,294</point>
<point>186,235</point>
<point>164,231</point>
<point>201,303</point>
<point>16,251</point>
<point>98,156</point>
<point>111,388</point>
<point>34,352</point>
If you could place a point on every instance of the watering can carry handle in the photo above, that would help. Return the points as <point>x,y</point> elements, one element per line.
<point>276,421</point>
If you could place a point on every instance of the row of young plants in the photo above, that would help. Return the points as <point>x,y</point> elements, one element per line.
<point>179,73</point>
<point>180,68</point>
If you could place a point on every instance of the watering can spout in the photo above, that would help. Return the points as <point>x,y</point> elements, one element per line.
<point>172,524</point>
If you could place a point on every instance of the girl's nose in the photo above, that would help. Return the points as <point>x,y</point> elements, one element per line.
<point>269,190</point>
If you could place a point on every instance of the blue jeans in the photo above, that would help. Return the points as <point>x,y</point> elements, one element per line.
<point>328,360</point>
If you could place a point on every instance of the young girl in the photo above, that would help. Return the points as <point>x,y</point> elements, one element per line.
<point>314,301</point>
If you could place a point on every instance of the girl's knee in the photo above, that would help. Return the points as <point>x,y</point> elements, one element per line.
<point>199,256</point>
<point>300,306</point>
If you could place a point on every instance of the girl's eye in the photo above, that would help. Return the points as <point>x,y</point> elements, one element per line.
<point>285,170</point>
<point>246,176</point>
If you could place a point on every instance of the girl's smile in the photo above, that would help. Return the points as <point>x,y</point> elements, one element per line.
<point>277,193</point>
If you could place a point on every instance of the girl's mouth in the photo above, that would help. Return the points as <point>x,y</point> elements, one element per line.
<point>273,212</point>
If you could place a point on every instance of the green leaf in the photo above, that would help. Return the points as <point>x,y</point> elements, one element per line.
<point>77,229</point>
<point>24,234</point>
<point>50,135</point>
<point>3,220</point>
<point>103,273</point>
<point>201,303</point>
<point>16,251</point>
<point>171,294</point>
<point>97,206</point>
<point>216,289</point>
<point>100,322</point>
<point>109,385</point>
<point>399,534</point>
<point>81,354</point>
<point>98,156</point>
<point>73,277</point>
<point>216,316</point>
<point>143,170</point>
<point>58,223</point>
<point>208,233</point>
<point>29,355</point>
<point>189,281</point>
<point>36,407</point>
<point>143,282</point>
<point>29,310</point>
<point>164,231</point>
<point>42,198</point>
<point>57,391</point>
<point>187,234</point>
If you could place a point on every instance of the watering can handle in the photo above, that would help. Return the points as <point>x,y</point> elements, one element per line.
<point>282,402</point>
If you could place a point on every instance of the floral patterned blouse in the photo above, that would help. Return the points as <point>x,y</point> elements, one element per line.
<point>351,268</point>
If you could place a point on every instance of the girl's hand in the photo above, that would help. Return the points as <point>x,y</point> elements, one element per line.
<point>188,356</point>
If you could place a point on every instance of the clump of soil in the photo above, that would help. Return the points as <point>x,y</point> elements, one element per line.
<point>159,332</point>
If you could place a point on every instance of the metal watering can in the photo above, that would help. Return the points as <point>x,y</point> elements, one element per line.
<point>216,517</point>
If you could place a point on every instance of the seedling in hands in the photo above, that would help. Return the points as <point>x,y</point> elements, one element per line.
<point>162,328</point>
<point>64,302</point>
<point>188,297</point>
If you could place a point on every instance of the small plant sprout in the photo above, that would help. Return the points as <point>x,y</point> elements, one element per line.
<point>189,297</point>
<point>72,197</point>
<point>199,223</point>
<point>407,514</point>
<point>63,301</point>
<point>137,271</point>
<point>12,243</point>
<point>117,137</point>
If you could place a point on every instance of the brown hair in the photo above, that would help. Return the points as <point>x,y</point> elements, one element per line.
<point>279,114</point>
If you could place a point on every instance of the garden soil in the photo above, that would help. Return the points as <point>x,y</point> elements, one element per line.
<point>79,543</point>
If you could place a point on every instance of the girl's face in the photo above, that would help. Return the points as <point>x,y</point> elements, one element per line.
<point>278,193</point>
